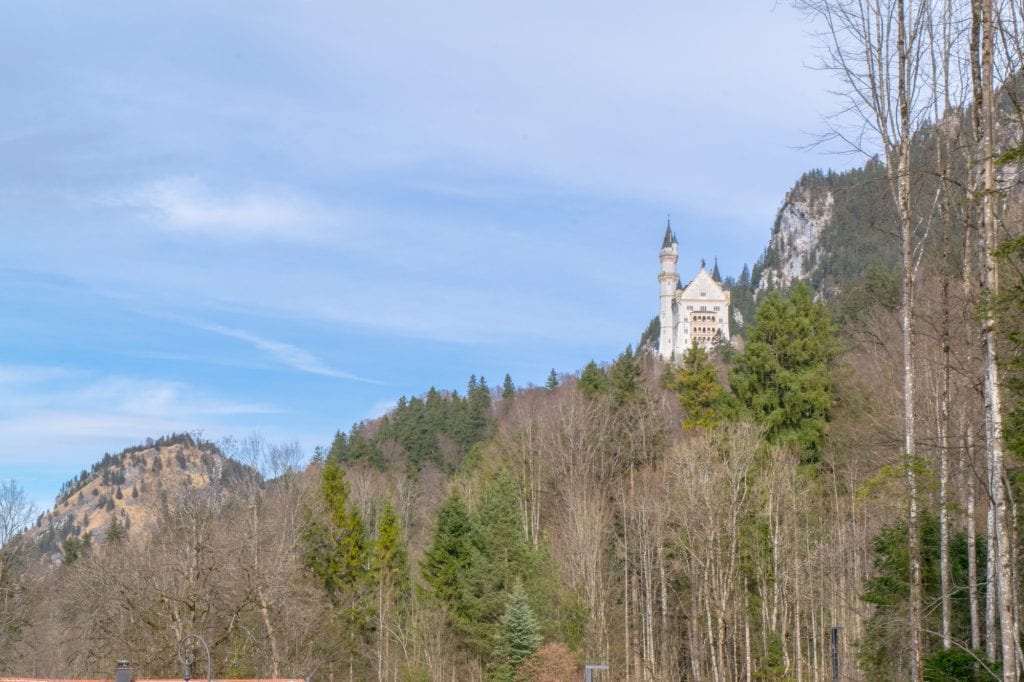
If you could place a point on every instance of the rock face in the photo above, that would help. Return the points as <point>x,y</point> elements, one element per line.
<point>794,250</point>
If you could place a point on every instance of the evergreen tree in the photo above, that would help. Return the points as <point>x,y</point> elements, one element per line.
<point>499,556</point>
<point>885,638</point>
<point>518,637</point>
<point>445,562</point>
<point>624,378</point>
<point>508,389</point>
<point>552,382</point>
<point>336,549</point>
<point>785,374</point>
<point>705,403</point>
<point>593,380</point>
<point>390,557</point>
<point>115,531</point>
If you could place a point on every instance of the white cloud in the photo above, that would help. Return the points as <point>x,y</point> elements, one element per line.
<point>186,205</point>
<point>285,353</point>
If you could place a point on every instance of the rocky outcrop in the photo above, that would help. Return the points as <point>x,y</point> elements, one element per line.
<point>794,250</point>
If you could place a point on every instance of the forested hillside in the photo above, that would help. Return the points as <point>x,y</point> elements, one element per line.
<point>852,468</point>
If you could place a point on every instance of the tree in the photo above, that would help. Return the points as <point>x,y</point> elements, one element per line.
<point>508,389</point>
<point>391,574</point>
<point>593,380</point>
<point>875,49</point>
<point>552,382</point>
<point>705,403</point>
<point>445,562</point>
<point>336,549</point>
<point>785,374</point>
<point>518,637</point>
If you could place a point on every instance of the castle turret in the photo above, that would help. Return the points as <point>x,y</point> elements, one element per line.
<point>669,280</point>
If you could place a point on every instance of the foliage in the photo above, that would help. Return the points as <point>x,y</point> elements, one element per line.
<point>706,404</point>
<point>552,381</point>
<point>882,650</point>
<point>508,389</point>
<point>593,380</point>
<point>784,376</point>
<point>518,637</point>
<point>419,425</point>
<point>1009,309</point>
<point>336,547</point>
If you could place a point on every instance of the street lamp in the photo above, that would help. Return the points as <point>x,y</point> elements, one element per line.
<point>187,656</point>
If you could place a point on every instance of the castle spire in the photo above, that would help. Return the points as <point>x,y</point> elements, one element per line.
<point>670,238</point>
<point>715,275</point>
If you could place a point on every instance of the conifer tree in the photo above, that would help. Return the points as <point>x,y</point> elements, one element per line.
<point>391,574</point>
<point>593,380</point>
<point>705,403</point>
<point>784,375</point>
<point>445,562</point>
<point>552,382</point>
<point>336,549</point>
<point>508,389</point>
<point>518,637</point>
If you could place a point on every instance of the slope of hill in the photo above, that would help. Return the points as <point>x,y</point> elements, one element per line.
<point>126,492</point>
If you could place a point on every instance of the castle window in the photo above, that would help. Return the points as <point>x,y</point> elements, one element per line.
<point>703,293</point>
<point>717,308</point>
<point>689,307</point>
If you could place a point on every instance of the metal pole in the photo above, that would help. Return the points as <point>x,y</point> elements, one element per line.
<point>187,659</point>
<point>834,651</point>
<point>588,671</point>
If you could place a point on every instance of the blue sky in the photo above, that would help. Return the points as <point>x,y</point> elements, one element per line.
<point>280,217</point>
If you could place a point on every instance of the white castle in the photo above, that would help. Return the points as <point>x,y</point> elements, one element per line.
<point>698,311</point>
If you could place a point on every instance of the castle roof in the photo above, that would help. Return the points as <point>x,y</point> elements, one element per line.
<point>670,238</point>
<point>715,275</point>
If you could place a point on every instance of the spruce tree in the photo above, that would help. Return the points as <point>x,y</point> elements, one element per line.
<point>444,564</point>
<point>518,637</point>
<point>593,380</point>
<point>552,382</point>
<point>784,376</point>
<point>336,548</point>
<point>705,403</point>
<point>508,389</point>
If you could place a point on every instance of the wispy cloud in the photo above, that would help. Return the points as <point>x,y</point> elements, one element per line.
<point>184,204</point>
<point>285,353</point>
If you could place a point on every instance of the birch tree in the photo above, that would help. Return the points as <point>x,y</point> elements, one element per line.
<point>875,49</point>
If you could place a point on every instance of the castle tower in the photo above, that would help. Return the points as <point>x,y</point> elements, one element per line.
<point>669,281</point>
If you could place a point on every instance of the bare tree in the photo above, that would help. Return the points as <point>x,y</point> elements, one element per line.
<point>875,48</point>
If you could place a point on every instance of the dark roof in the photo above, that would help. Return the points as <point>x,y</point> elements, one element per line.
<point>715,275</point>
<point>670,238</point>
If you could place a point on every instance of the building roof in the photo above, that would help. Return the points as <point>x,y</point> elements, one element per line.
<point>670,237</point>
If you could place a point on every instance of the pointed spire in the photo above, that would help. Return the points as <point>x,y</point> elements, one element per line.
<point>703,264</point>
<point>715,275</point>
<point>670,238</point>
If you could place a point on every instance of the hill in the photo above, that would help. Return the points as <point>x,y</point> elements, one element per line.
<point>126,493</point>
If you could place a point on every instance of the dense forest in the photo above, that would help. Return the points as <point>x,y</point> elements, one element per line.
<point>833,495</point>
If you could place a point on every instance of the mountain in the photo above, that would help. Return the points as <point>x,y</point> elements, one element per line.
<point>127,492</point>
<point>832,227</point>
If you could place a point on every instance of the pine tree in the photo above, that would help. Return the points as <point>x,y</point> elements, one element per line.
<point>705,403</point>
<point>624,378</point>
<point>552,382</point>
<point>593,380</point>
<point>508,389</point>
<point>336,549</point>
<point>785,374</point>
<point>444,564</point>
<point>391,573</point>
<point>518,637</point>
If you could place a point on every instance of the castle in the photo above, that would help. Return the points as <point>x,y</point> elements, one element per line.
<point>698,311</point>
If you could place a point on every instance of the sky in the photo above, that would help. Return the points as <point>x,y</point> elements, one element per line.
<point>280,217</point>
